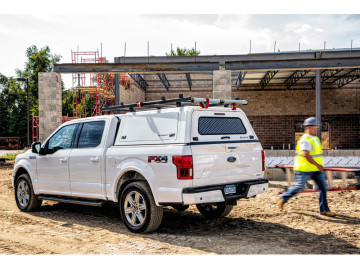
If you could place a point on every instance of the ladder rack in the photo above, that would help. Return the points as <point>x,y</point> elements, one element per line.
<point>178,102</point>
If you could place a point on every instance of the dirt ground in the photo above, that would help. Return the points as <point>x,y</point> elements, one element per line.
<point>255,226</point>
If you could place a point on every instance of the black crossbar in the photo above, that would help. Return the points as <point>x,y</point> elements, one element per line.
<point>177,101</point>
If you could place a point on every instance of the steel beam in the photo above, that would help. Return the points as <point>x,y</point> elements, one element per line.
<point>300,64</point>
<point>240,78</point>
<point>318,100</point>
<point>267,78</point>
<point>117,89</point>
<point>188,78</point>
<point>164,80</point>
<point>139,80</point>
<point>297,75</point>
<point>348,77</point>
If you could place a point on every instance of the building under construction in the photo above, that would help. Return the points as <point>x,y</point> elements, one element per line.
<point>282,89</point>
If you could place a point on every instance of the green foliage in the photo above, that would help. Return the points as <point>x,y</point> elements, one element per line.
<point>37,61</point>
<point>183,52</point>
<point>12,108</point>
<point>67,101</point>
<point>13,94</point>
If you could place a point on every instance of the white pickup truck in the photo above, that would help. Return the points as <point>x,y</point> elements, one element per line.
<point>145,160</point>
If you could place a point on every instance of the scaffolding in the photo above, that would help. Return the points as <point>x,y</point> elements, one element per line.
<point>35,126</point>
<point>97,89</point>
<point>92,91</point>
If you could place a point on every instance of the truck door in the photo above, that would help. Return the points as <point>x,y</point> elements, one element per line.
<point>53,168</point>
<point>86,161</point>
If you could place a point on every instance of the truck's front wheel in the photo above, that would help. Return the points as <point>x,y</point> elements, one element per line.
<point>214,210</point>
<point>25,198</point>
<point>138,209</point>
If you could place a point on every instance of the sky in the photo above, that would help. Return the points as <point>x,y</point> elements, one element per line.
<point>64,31</point>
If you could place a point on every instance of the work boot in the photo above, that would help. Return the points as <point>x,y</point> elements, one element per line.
<point>329,214</point>
<point>281,204</point>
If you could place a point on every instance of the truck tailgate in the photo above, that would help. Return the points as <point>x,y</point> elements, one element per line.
<point>224,147</point>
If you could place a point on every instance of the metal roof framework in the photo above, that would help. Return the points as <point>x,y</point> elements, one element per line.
<point>340,67</point>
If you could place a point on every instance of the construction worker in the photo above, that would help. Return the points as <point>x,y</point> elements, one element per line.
<point>308,165</point>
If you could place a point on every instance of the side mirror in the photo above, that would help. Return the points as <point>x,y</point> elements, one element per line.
<point>35,147</point>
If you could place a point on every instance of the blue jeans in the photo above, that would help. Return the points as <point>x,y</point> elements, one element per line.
<point>301,179</point>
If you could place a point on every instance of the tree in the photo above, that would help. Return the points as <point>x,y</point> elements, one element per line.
<point>37,61</point>
<point>67,102</point>
<point>12,108</point>
<point>183,52</point>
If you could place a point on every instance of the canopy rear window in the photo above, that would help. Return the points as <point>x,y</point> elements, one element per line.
<point>220,126</point>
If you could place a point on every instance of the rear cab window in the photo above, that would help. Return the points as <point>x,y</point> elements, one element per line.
<point>220,126</point>
<point>91,134</point>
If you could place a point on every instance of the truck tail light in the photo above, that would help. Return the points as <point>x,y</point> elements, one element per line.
<point>184,165</point>
<point>263,160</point>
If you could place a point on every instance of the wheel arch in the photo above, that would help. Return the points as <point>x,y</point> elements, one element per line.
<point>19,171</point>
<point>130,176</point>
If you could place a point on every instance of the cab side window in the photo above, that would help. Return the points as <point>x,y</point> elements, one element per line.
<point>62,139</point>
<point>91,134</point>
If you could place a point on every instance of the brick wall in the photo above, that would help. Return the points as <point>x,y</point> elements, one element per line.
<point>132,95</point>
<point>276,130</point>
<point>300,100</point>
<point>273,112</point>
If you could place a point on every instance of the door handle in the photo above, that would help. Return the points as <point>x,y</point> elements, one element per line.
<point>63,160</point>
<point>94,159</point>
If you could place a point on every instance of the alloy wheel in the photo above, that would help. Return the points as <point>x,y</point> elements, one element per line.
<point>135,209</point>
<point>23,193</point>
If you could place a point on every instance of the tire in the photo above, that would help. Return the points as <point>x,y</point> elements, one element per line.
<point>138,209</point>
<point>180,207</point>
<point>25,198</point>
<point>215,210</point>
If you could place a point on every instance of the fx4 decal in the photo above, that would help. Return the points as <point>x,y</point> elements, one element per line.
<point>158,159</point>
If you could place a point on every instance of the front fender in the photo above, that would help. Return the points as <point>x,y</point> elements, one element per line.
<point>138,166</point>
<point>25,164</point>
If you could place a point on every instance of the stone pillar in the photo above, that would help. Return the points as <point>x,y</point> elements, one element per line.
<point>222,84</point>
<point>50,103</point>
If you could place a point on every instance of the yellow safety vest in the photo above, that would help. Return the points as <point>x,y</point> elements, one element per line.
<point>301,163</point>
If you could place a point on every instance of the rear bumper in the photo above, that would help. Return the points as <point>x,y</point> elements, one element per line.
<point>215,193</point>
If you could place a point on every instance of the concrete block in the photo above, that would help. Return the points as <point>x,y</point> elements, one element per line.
<point>333,153</point>
<point>346,153</point>
<point>270,153</point>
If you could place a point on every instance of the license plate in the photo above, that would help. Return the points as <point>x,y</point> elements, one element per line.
<point>230,189</point>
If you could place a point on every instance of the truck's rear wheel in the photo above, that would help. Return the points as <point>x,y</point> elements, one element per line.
<point>25,198</point>
<point>138,209</point>
<point>214,210</point>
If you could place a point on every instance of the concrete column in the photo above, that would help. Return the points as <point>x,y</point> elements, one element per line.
<point>50,103</point>
<point>222,84</point>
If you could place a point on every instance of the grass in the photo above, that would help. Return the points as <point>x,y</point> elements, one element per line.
<point>10,155</point>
